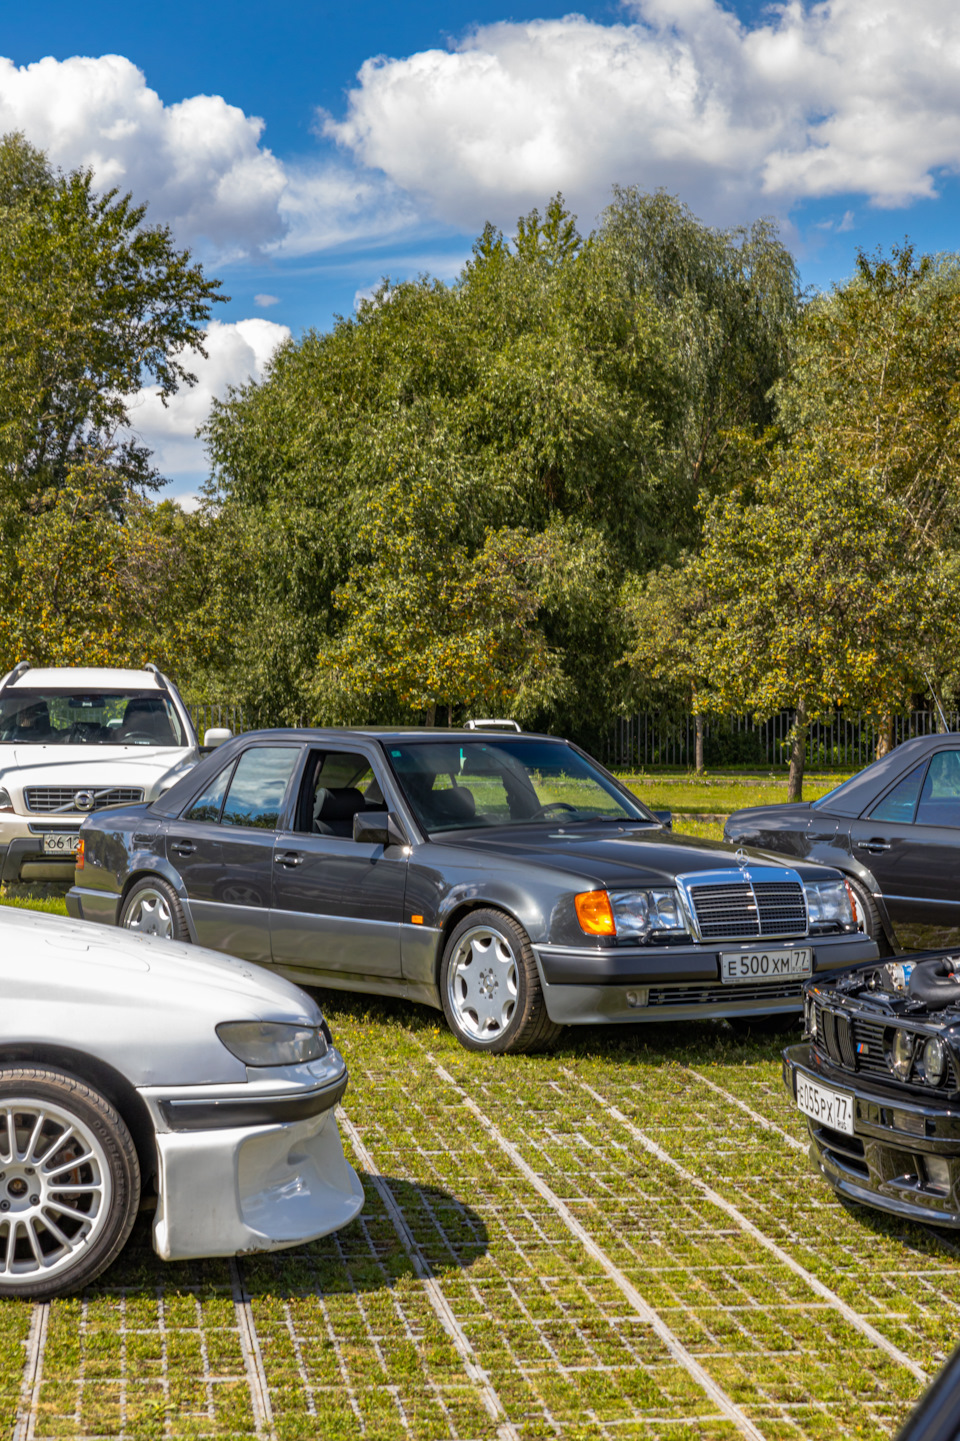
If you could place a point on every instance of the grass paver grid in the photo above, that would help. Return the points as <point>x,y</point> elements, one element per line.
<point>741,1314</point>
<point>352,1348</point>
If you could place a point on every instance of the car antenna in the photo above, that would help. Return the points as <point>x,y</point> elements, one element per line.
<point>946,728</point>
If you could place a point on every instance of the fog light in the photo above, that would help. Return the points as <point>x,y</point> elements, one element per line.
<point>934,1061</point>
<point>638,998</point>
<point>901,1054</point>
<point>938,1171</point>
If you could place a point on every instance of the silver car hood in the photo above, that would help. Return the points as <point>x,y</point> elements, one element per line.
<point>146,1007</point>
<point>60,765</point>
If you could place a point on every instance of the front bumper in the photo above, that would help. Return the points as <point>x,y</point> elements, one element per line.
<point>22,858</point>
<point>885,1162</point>
<point>647,983</point>
<point>246,1172</point>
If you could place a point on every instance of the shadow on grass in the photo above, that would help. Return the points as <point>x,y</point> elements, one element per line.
<point>366,1256</point>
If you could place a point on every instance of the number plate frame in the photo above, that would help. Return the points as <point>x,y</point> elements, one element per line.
<point>60,843</point>
<point>747,968</point>
<point>831,1108</point>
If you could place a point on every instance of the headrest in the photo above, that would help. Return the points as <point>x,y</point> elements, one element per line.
<point>456,804</point>
<point>339,803</point>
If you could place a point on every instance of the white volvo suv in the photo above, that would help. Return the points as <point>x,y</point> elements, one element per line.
<point>73,741</point>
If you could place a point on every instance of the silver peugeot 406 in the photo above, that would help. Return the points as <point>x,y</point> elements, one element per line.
<point>135,1071</point>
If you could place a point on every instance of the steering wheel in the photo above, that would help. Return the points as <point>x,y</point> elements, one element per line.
<point>541,811</point>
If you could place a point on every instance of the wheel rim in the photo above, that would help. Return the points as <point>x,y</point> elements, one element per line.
<point>150,914</point>
<point>56,1190</point>
<point>483,981</point>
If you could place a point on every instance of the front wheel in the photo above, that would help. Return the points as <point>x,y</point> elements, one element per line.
<point>69,1183</point>
<point>490,987</point>
<point>153,909</point>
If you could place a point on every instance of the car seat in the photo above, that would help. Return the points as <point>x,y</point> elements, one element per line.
<point>334,810</point>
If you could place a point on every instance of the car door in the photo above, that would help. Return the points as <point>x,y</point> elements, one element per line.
<point>910,840</point>
<point>227,862</point>
<point>337,902</point>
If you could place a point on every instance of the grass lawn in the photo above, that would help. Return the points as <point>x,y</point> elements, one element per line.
<point>619,1240</point>
<point>691,798</point>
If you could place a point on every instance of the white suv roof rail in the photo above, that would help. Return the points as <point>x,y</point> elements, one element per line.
<point>491,724</point>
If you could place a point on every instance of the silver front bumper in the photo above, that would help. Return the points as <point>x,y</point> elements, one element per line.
<point>256,1185</point>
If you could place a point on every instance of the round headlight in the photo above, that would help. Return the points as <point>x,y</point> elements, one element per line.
<point>934,1061</point>
<point>901,1054</point>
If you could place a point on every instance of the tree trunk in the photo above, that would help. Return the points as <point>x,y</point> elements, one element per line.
<point>431,715</point>
<point>698,744</point>
<point>798,750</point>
<point>885,736</point>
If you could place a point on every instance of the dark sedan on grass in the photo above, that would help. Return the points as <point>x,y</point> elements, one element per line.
<point>508,879</point>
<point>894,832</point>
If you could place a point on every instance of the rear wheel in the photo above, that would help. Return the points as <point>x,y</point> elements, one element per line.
<point>869,916</point>
<point>153,909</point>
<point>490,987</point>
<point>69,1183</point>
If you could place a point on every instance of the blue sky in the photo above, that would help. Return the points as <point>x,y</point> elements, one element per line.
<point>391,132</point>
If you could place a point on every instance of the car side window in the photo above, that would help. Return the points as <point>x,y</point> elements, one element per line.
<point>259,783</point>
<point>336,786</point>
<point>940,797</point>
<point>900,803</point>
<point>207,806</point>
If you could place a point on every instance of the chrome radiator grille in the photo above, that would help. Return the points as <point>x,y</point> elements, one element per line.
<point>46,799</point>
<point>744,908</point>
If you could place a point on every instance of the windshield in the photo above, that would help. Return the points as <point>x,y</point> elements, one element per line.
<point>459,785</point>
<point>104,718</point>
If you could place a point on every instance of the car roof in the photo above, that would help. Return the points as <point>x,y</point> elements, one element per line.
<point>84,678</point>
<point>398,733</point>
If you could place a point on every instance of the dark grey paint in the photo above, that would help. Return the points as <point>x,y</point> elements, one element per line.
<point>341,911</point>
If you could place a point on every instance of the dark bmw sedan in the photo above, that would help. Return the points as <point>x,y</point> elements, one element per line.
<point>894,832</point>
<point>508,879</point>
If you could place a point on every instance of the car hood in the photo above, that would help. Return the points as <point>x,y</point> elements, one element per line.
<point>59,765</point>
<point>616,856</point>
<point>147,1006</point>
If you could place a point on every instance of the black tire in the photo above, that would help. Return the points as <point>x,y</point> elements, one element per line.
<point>869,915</point>
<point>152,908</point>
<point>55,1242</point>
<point>490,987</point>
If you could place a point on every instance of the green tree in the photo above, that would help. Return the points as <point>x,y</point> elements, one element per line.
<point>429,625</point>
<point>549,386</point>
<point>814,599</point>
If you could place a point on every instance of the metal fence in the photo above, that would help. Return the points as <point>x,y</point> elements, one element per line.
<point>206,714</point>
<point>667,738</point>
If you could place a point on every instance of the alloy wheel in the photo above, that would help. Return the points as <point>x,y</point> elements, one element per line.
<point>483,983</point>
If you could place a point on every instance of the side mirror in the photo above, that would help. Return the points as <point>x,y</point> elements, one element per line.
<point>378,828</point>
<point>216,737</point>
<point>665,818</point>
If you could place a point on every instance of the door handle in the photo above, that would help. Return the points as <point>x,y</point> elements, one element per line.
<point>874,846</point>
<point>183,848</point>
<point>289,859</point>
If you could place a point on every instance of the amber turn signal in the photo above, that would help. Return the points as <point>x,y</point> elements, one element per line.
<point>595,914</point>
<point>79,854</point>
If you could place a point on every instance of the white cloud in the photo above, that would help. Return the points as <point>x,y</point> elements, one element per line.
<point>265,301</point>
<point>200,163</point>
<point>847,96</point>
<point>236,353</point>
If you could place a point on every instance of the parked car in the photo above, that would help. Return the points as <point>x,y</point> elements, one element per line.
<point>508,879</point>
<point>893,830</point>
<point>131,1066</point>
<point>936,1416</point>
<point>76,740</point>
<point>878,1078</point>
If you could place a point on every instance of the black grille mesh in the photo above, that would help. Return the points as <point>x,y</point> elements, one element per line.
<point>738,910</point>
<point>856,1044</point>
<point>716,995</point>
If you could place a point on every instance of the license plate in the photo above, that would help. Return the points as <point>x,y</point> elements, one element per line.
<point>830,1108</point>
<point>738,968</point>
<point>61,845</point>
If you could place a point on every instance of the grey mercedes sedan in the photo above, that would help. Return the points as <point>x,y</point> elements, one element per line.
<point>508,879</point>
